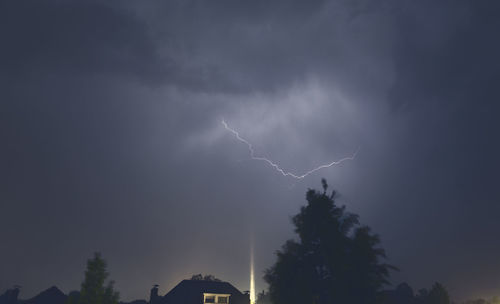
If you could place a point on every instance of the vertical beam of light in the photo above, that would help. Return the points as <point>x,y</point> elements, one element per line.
<point>275,165</point>
<point>252,277</point>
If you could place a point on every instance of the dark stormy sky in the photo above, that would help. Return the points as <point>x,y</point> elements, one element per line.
<point>111,136</point>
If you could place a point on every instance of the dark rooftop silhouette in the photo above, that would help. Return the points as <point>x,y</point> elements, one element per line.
<point>191,292</point>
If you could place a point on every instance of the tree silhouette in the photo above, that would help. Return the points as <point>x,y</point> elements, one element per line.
<point>263,298</point>
<point>93,289</point>
<point>335,260</point>
<point>207,277</point>
<point>494,300</point>
<point>438,295</point>
<point>403,294</point>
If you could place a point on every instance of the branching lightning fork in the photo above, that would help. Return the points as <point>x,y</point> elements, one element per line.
<point>276,166</point>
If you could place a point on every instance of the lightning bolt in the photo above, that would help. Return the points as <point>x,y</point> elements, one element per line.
<point>275,165</point>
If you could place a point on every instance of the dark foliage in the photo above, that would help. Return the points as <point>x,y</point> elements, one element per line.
<point>335,260</point>
<point>403,294</point>
<point>438,295</point>
<point>207,277</point>
<point>263,298</point>
<point>494,300</point>
<point>94,290</point>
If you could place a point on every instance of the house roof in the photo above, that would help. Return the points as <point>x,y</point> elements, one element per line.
<point>191,292</point>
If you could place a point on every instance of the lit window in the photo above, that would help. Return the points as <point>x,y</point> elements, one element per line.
<point>213,298</point>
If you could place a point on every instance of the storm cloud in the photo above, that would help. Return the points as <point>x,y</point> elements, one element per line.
<point>110,124</point>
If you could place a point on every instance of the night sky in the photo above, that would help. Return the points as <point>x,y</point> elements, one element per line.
<point>111,137</point>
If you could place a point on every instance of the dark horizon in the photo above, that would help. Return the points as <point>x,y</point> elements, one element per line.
<point>112,141</point>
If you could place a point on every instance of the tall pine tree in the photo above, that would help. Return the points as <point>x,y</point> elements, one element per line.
<point>94,288</point>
